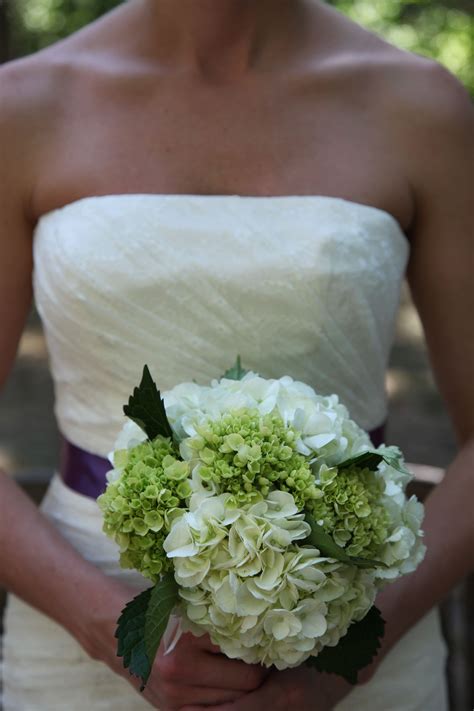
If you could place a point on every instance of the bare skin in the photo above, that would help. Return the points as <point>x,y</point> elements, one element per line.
<point>233,97</point>
<point>313,117</point>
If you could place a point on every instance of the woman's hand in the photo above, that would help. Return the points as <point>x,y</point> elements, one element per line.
<point>194,674</point>
<point>301,688</point>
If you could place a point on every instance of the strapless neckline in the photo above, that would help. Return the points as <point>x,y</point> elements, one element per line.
<point>79,202</point>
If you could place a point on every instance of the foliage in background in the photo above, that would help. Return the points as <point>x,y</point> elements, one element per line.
<point>442,29</point>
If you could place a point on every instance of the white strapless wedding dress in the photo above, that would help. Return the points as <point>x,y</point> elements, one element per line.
<point>305,286</point>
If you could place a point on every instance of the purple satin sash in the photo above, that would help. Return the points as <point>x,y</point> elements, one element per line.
<point>85,472</point>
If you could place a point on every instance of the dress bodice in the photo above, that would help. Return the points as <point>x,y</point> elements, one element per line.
<point>300,286</point>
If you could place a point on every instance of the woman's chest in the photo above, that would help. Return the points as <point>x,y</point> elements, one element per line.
<point>256,139</point>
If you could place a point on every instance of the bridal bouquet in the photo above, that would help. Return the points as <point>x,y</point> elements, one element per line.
<point>263,516</point>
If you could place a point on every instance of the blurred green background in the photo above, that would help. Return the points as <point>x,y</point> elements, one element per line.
<point>442,29</point>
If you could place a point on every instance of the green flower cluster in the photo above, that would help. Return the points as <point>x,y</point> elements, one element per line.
<point>351,509</point>
<point>248,454</point>
<point>141,504</point>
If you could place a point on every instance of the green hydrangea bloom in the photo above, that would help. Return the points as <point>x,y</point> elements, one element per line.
<point>248,454</point>
<point>141,504</point>
<point>351,509</point>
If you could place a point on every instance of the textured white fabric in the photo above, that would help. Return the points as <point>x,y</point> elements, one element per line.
<point>303,286</point>
<point>46,670</point>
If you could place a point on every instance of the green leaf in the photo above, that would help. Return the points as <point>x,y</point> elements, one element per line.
<point>142,624</point>
<point>366,460</point>
<point>355,650</point>
<point>330,549</point>
<point>371,460</point>
<point>147,409</point>
<point>395,463</point>
<point>236,372</point>
<point>131,635</point>
<point>163,599</point>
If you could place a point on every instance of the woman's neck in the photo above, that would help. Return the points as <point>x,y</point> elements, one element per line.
<point>220,37</point>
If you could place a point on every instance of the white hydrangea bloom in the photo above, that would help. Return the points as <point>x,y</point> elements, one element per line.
<point>260,596</point>
<point>404,549</point>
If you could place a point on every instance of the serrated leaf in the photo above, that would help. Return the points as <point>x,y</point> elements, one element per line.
<point>130,634</point>
<point>163,599</point>
<point>355,650</point>
<point>320,539</point>
<point>236,372</point>
<point>142,624</point>
<point>147,409</point>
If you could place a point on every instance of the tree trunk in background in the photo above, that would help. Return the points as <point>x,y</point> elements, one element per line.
<point>4,34</point>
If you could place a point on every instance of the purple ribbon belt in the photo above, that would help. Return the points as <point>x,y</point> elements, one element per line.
<point>85,472</point>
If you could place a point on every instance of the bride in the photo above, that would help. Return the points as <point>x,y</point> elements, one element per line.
<point>196,179</point>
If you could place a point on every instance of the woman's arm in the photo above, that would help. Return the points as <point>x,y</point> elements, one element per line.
<point>36,563</point>
<point>39,566</point>
<point>441,274</point>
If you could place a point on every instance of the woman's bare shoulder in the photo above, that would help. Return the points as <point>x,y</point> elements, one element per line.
<point>39,91</point>
<point>27,86</point>
<point>31,96</point>
<point>42,76</point>
<point>409,84</point>
<point>389,75</point>
<point>429,120</point>
<point>426,108</point>
<point>410,93</point>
